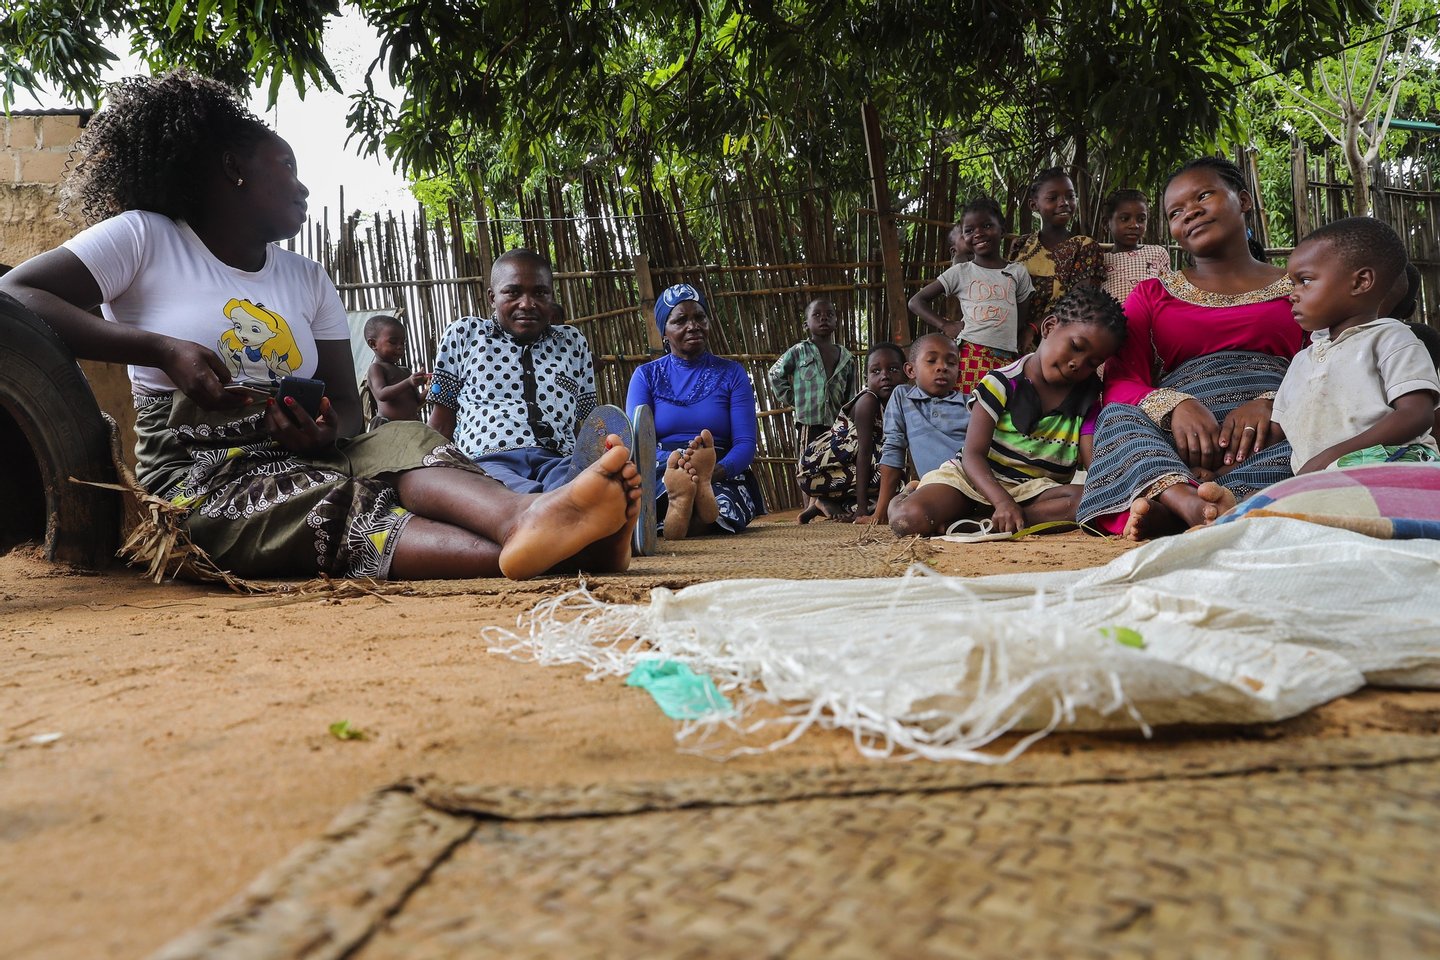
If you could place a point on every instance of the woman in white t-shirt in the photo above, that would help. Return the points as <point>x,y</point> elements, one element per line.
<point>186,194</point>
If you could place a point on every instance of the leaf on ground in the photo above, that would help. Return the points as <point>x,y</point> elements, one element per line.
<point>342,730</point>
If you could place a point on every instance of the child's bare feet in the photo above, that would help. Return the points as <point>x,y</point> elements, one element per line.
<point>583,516</point>
<point>809,513</point>
<point>1218,501</point>
<point>701,454</point>
<point>679,495</point>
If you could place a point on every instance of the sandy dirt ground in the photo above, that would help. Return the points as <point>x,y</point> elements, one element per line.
<point>193,744</point>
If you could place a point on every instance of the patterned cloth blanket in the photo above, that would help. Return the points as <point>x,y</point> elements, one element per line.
<point>1393,501</point>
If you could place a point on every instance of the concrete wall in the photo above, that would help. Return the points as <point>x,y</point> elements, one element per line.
<point>34,151</point>
<point>33,155</point>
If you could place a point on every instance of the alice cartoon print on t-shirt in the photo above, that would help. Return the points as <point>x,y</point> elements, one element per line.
<point>258,345</point>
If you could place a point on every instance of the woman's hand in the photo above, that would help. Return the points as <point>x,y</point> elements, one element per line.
<point>292,428</point>
<point>199,374</point>
<point>1197,435</point>
<point>1247,430</point>
<point>952,329</point>
<point>865,518</point>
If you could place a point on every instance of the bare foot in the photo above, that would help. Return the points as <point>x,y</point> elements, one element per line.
<point>557,526</point>
<point>808,514</point>
<point>1150,519</point>
<point>679,495</point>
<point>612,554</point>
<point>701,454</point>
<point>1218,501</point>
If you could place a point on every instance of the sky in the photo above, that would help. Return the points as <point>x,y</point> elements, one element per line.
<point>315,126</point>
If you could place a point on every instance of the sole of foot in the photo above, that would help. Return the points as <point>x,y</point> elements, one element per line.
<point>679,482</point>
<point>702,459</point>
<point>558,526</point>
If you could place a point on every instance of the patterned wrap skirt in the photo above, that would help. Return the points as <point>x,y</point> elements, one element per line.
<point>1132,452</point>
<point>739,497</point>
<point>826,466</point>
<point>976,360</point>
<point>259,510</point>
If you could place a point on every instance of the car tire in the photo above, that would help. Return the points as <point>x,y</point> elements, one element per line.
<point>51,430</point>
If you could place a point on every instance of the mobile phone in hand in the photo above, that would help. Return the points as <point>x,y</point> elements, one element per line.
<point>255,390</point>
<point>307,393</point>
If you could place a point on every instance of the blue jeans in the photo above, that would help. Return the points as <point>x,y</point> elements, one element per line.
<point>527,469</point>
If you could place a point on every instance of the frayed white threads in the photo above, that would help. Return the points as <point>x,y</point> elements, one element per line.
<point>910,668</point>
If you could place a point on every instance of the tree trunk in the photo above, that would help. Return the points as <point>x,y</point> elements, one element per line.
<point>1359,175</point>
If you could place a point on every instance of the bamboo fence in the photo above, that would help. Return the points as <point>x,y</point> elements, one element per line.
<point>767,254</point>
<point>759,252</point>
<point>1403,195</point>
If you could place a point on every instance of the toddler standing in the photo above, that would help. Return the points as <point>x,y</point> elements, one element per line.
<point>1126,213</point>
<point>397,392</point>
<point>924,420</point>
<point>1031,425</point>
<point>994,297</point>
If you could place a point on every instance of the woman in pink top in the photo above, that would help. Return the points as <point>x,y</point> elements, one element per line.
<point>1188,398</point>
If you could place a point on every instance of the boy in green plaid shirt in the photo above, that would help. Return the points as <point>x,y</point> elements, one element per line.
<point>816,376</point>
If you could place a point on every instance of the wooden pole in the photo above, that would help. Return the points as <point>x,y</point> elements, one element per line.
<point>1300,189</point>
<point>646,285</point>
<point>896,311</point>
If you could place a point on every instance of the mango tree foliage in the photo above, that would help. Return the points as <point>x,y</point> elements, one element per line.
<point>61,44</point>
<point>522,87</point>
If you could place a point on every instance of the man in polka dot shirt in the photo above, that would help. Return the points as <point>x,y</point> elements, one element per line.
<point>511,389</point>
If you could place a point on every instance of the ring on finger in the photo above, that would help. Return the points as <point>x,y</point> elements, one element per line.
<point>1249,430</point>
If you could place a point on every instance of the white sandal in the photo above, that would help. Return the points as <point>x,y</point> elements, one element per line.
<point>961,532</point>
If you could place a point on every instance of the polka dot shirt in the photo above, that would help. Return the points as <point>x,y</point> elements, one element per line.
<point>507,396</point>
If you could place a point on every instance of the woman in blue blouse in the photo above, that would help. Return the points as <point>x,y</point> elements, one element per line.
<point>704,424</point>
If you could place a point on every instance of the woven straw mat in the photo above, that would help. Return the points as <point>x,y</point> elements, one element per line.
<point>1280,844</point>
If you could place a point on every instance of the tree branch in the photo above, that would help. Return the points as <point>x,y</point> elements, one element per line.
<point>1336,138</point>
<point>1325,80</point>
<point>1402,69</point>
<point>1308,103</point>
<point>1381,54</point>
<point>699,16</point>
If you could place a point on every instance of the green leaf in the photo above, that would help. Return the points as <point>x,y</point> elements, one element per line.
<point>176,12</point>
<point>1125,636</point>
<point>342,730</point>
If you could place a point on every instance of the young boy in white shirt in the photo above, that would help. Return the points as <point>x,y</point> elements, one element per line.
<point>1364,391</point>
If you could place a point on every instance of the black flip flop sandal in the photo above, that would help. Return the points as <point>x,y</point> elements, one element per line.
<point>590,438</point>
<point>646,542</point>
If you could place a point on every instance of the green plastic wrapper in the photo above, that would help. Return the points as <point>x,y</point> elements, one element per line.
<point>679,692</point>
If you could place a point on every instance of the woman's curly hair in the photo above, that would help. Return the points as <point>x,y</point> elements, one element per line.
<point>155,145</point>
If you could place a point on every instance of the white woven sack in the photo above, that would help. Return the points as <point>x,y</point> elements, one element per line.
<point>1244,623</point>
